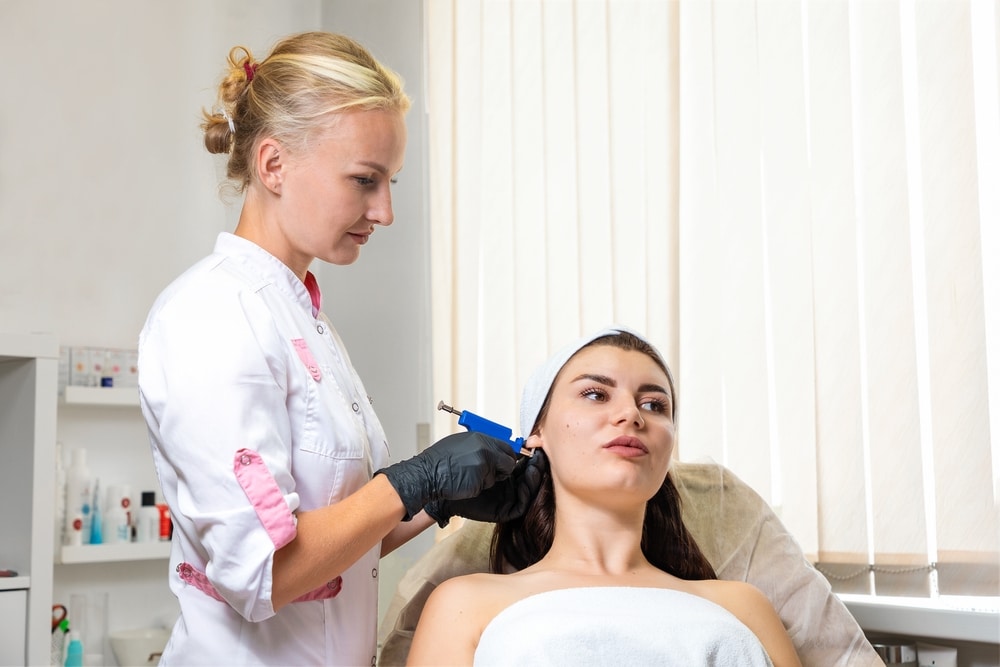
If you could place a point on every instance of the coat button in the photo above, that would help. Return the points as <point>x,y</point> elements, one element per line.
<point>320,328</point>
<point>374,572</point>
<point>356,407</point>
<point>245,459</point>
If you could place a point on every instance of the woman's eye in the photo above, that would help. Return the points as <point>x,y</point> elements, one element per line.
<point>653,405</point>
<point>364,180</point>
<point>594,394</point>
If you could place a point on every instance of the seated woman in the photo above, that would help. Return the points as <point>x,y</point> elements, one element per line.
<point>600,570</point>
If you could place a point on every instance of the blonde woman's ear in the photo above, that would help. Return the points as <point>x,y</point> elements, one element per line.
<point>270,165</point>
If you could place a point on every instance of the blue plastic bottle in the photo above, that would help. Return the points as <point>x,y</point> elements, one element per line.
<point>74,650</point>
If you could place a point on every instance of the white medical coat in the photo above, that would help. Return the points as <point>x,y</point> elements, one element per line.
<point>235,356</point>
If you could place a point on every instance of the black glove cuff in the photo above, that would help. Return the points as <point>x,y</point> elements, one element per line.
<point>404,487</point>
<point>436,510</point>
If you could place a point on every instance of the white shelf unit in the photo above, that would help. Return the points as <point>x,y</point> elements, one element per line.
<point>96,397</point>
<point>29,372</point>
<point>14,583</point>
<point>110,553</point>
<point>110,396</point>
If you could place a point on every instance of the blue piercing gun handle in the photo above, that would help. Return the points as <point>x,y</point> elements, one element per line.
<point>473,422</point>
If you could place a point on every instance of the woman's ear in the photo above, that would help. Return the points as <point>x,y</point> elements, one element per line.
<point>534,441</point>
<point>270,165</point>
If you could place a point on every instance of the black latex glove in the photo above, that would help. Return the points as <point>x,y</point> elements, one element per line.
<point>505,500</point>
<point>457,466</point>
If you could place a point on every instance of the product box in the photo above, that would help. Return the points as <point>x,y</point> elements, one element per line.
<point>64,365</point>
<point>81,373</point>
<point>128,374</point>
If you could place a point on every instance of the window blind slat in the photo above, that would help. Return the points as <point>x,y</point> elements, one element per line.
<point>745,379</point>
<point>700,427</point>
<point>840,472</point>
<point>441,124</point>
<point>593,138</point>
<point>888,300</point>
<point>529,164</point>
<point>785,212</point>
<point>467,149</point>
<point>561,232</point>
<point>968,520</point>
<point>495,351</point>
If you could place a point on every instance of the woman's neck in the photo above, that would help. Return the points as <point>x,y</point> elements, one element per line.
<point>596,541</point>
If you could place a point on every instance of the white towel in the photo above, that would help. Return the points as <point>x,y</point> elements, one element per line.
<point>618,626</point>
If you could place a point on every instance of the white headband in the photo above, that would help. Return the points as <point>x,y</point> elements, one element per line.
<point>538,385</point>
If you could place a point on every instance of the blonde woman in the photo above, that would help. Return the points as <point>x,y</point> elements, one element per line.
<point>266,445</point>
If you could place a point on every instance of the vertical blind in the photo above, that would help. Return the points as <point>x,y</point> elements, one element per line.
<point>797,200</point>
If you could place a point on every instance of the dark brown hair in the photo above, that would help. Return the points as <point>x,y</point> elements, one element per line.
<point>666,542</point>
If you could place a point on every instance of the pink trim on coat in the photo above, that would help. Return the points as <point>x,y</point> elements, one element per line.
<point>307,358</point>
<point>265,496</point>
<point>199,580</point>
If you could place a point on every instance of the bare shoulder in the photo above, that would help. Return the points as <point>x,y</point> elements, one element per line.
<point>453,619</point>
<point>466,596</point>
<point>739,597</point>
<point>747,603</point>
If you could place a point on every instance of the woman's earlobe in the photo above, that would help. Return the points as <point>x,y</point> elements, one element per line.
<point>534,441</point>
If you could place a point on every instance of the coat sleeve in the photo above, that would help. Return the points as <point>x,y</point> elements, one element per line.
<point>213,384</point>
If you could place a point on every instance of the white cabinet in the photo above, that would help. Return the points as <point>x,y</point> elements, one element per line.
<point>29,421</point>
<point>29,369</point>
<point>13,611</point>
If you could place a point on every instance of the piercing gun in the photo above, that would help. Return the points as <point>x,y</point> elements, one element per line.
<point>473,422</point>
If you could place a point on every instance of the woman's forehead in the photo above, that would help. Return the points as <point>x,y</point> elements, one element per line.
<point>611,361</point>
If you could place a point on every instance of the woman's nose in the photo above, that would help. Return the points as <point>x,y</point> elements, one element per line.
<point>381,210</point>
<point>630,412</point>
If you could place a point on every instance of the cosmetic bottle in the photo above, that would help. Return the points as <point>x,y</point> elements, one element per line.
<point>74,650</point>
<point>96,515</point>
<point>79,496</point>
<point>117,524</point>
<point>147,524</point>
<point>165,527</point>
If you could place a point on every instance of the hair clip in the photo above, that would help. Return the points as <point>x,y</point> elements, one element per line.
<point>250,70</point>
<point>229,119</point>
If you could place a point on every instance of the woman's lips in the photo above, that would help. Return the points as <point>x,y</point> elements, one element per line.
<point>627,446</point>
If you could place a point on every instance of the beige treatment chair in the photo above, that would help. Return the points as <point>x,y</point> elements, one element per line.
<point>738,533</point>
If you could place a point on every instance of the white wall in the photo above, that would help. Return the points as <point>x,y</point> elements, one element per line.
<point>106,194</point>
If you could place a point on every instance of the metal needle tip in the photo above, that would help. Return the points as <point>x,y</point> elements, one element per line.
<point>447,408</point>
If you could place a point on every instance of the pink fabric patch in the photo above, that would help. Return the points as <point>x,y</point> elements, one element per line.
<point>198,579</point>
<point>306,357</point>
<point>314,295</point>
<point>328,590</point>
<point>265,496</point>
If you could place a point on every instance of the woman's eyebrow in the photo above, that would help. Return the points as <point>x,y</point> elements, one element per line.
<point>602,379</point>
<point>605,380</point>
